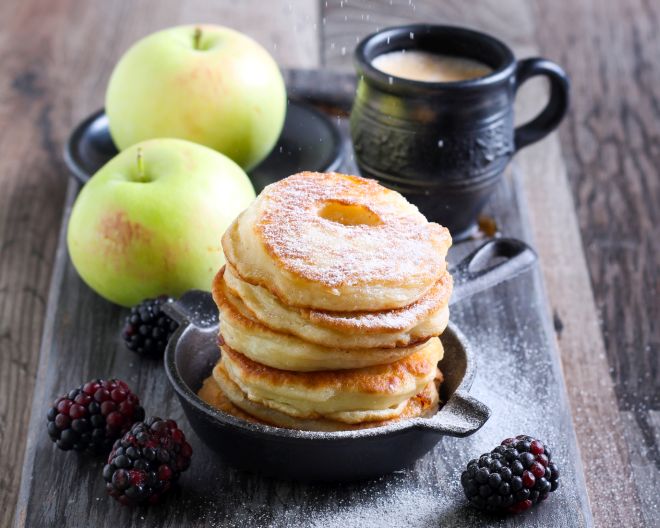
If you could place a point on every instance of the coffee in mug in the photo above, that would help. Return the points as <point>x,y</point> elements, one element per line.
<point>424,66</point>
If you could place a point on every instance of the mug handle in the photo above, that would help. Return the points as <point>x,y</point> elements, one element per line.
<point>554,111</point>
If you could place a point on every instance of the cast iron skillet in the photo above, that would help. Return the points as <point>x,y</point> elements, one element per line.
<point>335,456</point>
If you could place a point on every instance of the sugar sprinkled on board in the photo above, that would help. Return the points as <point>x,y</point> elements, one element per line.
<point>516,378</point>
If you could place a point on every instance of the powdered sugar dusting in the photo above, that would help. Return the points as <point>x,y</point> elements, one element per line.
<point>397,319</point>
<point>518,377</point>
<point>402,246</point>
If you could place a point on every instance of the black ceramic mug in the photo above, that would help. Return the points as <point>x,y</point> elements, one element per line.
<point>444,145</point>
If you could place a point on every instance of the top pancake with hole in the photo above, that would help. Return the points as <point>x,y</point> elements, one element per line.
<point>337,242</point>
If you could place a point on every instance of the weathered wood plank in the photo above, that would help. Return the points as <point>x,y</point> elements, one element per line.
<point>344,23</point>
<point>610,144</point>
<point>552,225</point>
<point>611,147</point>
<point>594,403</point>
<point>55,59</point>
<point>31,195</point>
<point>508,325</point>
<point>637,428</point>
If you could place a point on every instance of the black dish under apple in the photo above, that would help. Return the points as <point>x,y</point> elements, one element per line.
<point>309,141</point>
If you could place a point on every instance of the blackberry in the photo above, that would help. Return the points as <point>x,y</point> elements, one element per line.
<point>146,462</point>
<point>91,417</point>
<point>512,477</point>
<point>147,328</point>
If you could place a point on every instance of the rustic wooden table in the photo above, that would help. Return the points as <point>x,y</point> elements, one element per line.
<point>593,189</point>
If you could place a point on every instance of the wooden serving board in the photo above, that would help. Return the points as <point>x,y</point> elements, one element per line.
<point>518,376</point>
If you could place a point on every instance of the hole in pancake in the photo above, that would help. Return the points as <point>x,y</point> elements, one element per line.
<point>349,214</point>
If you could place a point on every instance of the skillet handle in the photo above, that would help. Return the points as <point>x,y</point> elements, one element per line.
<point>461,416</point>
<point>483,268</point>
<point>193,307</point>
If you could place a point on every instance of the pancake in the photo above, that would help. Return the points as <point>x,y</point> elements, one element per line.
<point>349,396</point>
<point>213,395</point>
<point>425,318</point>
<point>280,350</point>
<point>337,242</point>
<point>231,400</point>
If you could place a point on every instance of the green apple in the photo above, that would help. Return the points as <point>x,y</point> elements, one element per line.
<point>150,221</point>
<point>207,84</point>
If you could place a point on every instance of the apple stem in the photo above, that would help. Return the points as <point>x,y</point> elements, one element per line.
<point>197,37</point>
<point>140,163</point>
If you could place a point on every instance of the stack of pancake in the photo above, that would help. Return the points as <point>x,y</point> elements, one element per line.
<point>331,303</point>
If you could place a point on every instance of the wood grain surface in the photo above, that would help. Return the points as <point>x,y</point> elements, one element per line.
<point>556,234</point>
<point>55,59</point>
<point>612,152</point>
<point>49,81</point>
<point>507,326</point>
<point>611,146</point>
